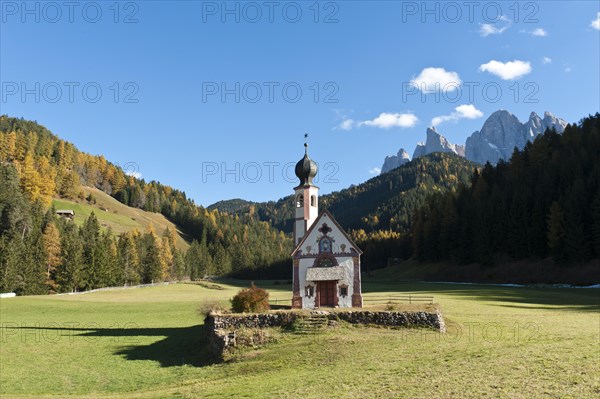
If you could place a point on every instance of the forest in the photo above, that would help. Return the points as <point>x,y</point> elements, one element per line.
<point>38,166</point>
<point>544,202</point>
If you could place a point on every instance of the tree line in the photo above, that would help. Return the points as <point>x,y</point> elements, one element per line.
<point>544,202</point>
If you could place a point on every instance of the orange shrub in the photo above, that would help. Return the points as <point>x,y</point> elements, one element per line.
<point>251,300</point>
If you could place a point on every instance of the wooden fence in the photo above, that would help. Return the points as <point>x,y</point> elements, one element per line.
<point>373,300</point>
<point>408,298</point>
<point>280,301</point>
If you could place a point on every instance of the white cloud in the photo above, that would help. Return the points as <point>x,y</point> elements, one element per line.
<point>468,111</point>
<point>386,120</point>
<point>436,79</point>
<point>134,173</point>
<point>511,70</point>
<point>489,29</point>
<point>346,124</point>
<point>494,29</point>
<point>568,69</point>
<point>539,32</point>
<point>375,171</point>
<point>596,22</point>
<point>546,60</point>
<point>465,111</point>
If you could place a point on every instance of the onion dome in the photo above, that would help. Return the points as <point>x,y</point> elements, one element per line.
<point>306,169</point>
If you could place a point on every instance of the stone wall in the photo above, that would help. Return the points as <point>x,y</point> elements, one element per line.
<point>259,320</point>
<point>220,330</point>
<point>432,320</point>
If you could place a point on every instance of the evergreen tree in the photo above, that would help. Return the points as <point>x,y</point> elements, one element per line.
<point>596,224</point>
<point>69,274</point>
<point>556,232</point>
<point>93,256</point>
<point>51,240</point>
<point>129,261</point>
<point>154,262</point>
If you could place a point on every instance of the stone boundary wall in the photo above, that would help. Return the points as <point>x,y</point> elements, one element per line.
<point>395,319</point>
<point>220,329</point>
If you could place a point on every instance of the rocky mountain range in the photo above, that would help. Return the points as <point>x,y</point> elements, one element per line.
<point>503,131</point>
<point>496,140</point>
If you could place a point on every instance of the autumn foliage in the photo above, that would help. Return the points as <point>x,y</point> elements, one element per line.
<point>251,300</point>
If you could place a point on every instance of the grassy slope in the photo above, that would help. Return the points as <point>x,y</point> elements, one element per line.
<point>502,342</point>
<point>119,217</point>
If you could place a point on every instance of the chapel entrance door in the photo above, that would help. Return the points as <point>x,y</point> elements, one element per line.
<point>327,293</point>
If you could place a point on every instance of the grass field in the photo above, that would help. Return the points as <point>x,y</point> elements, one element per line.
<point>119,217</point>
<point>501,343</point>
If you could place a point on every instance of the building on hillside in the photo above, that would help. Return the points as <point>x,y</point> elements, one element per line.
<point>66,213</point>
<point>326,262</point>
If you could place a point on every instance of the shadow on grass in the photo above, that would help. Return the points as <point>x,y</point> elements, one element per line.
<point>180,346</point>
<point>572,299</point>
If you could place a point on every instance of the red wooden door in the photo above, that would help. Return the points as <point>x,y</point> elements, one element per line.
<point>327,293</point>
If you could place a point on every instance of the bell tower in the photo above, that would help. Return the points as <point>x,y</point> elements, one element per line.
<point>306,197</point>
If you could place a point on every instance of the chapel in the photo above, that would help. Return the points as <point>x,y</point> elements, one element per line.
<point>326,262</point>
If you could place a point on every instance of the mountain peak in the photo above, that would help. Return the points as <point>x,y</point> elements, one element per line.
<point>436,143</point>
<point>395,161</point>
<point>503,131</point>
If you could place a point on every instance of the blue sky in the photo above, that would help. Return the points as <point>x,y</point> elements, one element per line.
<point>205,96</point>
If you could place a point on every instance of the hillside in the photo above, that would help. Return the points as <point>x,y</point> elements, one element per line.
<point>385,202</point>
<point>118,217</point>
<point>231,206</point>
<point>41,253</point>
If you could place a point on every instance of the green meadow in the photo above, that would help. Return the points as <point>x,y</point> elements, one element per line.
<point>502,342</point>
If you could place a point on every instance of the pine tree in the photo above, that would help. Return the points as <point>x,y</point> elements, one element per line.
<point>69,274</point>
<point>192,261</point>
<point>556,232</point>
<point>577,242</point>
<point>596,224</point>
<point>31,181</point>
<point>167,256</point>
<point>10,250</point>
<point>47,180</point>
<point>8,143</point>
<point>90,235</point>
<point>221,260</point>
<point>154,262</point>
<point>51,240</point>
<point>129,261</point>
<point>32,269</point>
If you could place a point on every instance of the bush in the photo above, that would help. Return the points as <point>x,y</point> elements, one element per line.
<point>251,300</point>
